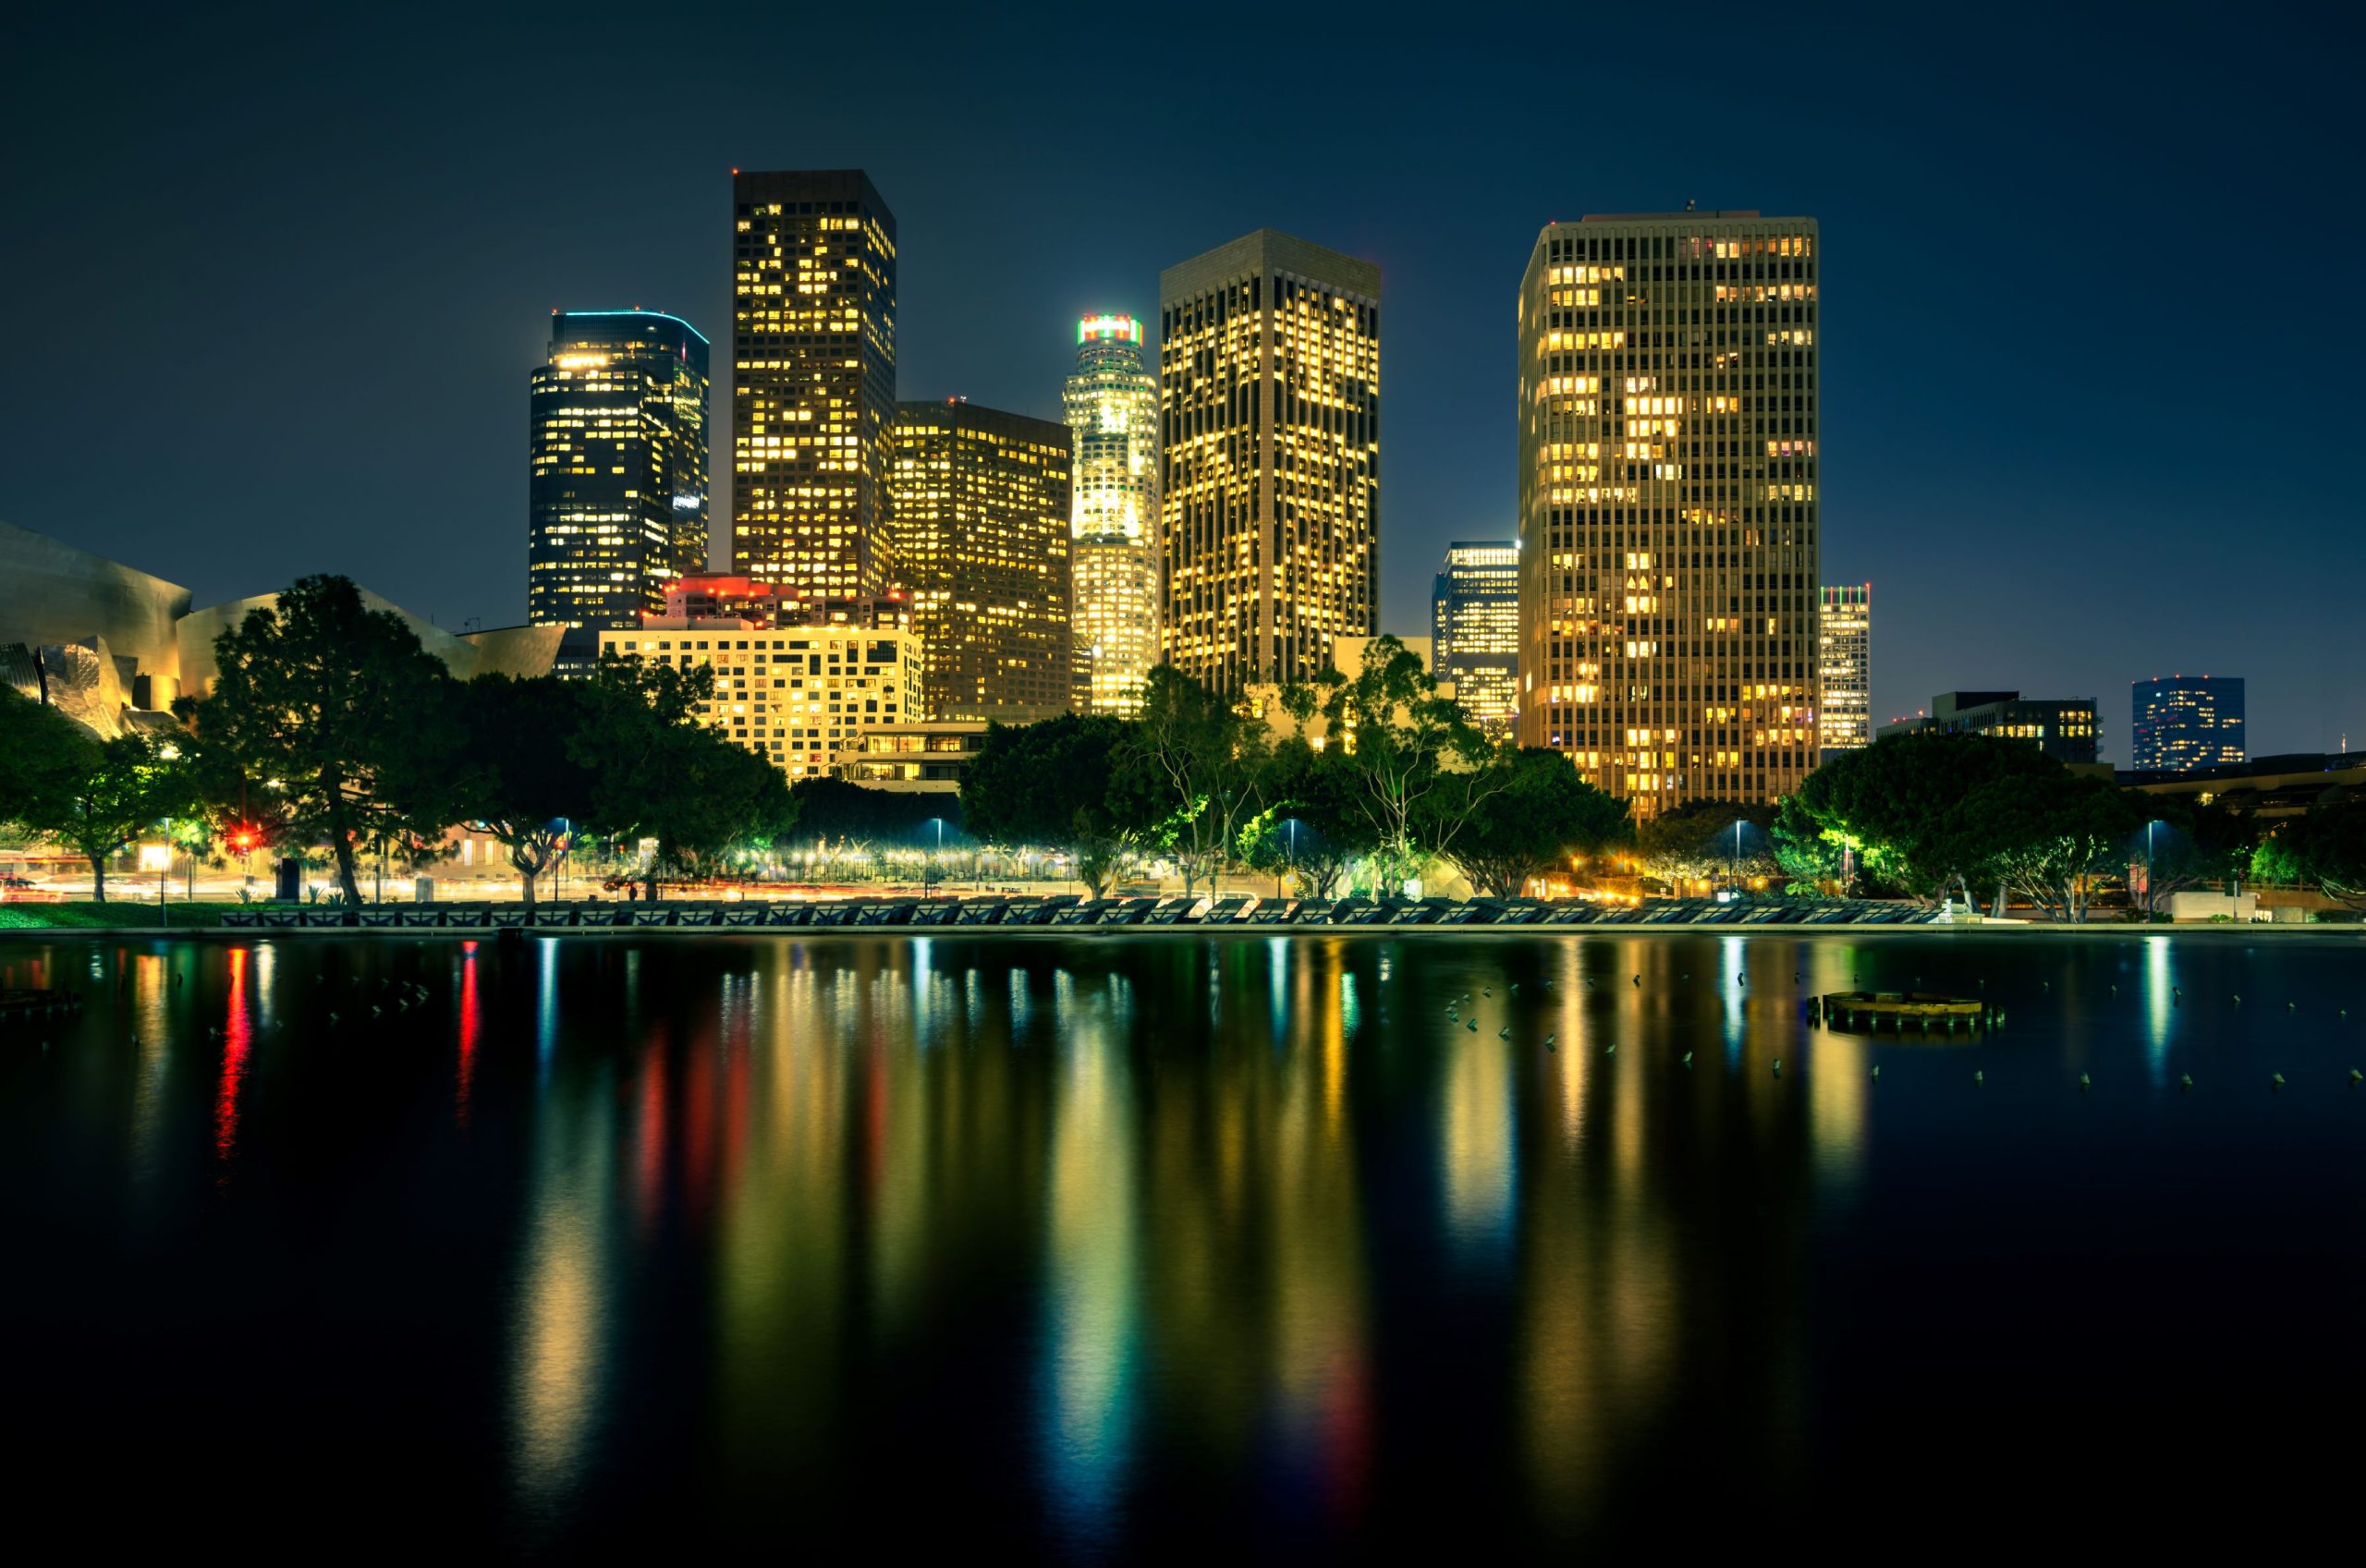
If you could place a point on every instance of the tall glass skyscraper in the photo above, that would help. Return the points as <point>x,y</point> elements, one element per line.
<point>2179,722</point>
<point>1667,493</point>
<point>813,381</point>
<point>617,455</point>
<point>1844,666</point>
<point>1112,407</point>
<point>1474,631</point>
<point>980,503</point>
<point>1269,452</point>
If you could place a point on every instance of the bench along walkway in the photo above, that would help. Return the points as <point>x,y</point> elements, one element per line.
<point>1056,910</point>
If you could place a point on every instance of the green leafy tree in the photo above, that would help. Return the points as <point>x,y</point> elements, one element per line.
<point>1542,814</point>
<point>834,809</point>
<point>1811,858</point>
<point>1315,826</point>
<point>1422,765</point>
<point>1190,775</point>
<point>2188,845</point>
<point>1050,783</point>
<point>1697,843</point>
<point>519,777</point>
<point>2326,846</point>
<point>341,712</point>
<point>91,796</point>
<point>1899,803</point>
<point>2050,836</point>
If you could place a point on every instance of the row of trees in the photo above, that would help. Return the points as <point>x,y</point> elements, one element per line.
<point>328,725</point>
<point>1375,769</point>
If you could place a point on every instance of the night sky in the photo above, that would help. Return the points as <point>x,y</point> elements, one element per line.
<point>2091,292</point>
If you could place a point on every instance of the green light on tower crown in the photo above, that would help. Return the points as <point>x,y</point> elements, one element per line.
<point>1092,327</point>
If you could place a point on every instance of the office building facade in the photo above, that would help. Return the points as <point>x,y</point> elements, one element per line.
<point>981,504</point>
<point>2179,722</point>
<point>618,467</point>
<point>1667,409</point>
<point>1844,666</point>
<point>801,697</point>
<point>2066,729</point>
<point>1269,442</point>
<point>1474,631</point>
<point>813,381</point>
<point>1111,404</point>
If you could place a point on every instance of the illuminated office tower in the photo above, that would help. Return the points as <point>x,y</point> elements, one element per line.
<point>2184,722</point>
<point>814,381</point>
<point>980,502</point>
<point>1844,666</point>
<point>616,485</point>
<point>1668,504</point>
<point>1269,451</point>
<point>1112,407</point>
<point>1474,631</point>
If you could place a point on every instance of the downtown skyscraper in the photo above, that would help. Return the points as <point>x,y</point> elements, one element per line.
<point>616,487</point>
<point>980,503</point>
<point>1474,630</point>
<point>1111,403</point>
<point>814,381</point>
<point>1269,443</point>
<point>1844,666</point>
<point>1668,504</point>
<point>2180,723</point>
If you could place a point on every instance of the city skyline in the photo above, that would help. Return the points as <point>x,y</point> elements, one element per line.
<point>1951,231</point>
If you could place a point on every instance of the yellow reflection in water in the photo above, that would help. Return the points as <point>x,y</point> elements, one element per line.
<point>559,1340</point>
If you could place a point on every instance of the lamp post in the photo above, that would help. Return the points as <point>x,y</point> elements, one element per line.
<point>927,877</point>
<point>1737,855</point>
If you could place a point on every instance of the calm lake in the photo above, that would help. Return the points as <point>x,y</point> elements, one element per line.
<point>1138,1247</point>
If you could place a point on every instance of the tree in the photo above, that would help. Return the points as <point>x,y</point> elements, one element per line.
<point>1313,827</point>
<point>1812,859</point>
<point>2180,845</point>
<point>658,774</point>
<point>1050,783</point>
<point>1697,843</point>
<point>520,781</point>
<point>832,809</point>
<point>1190,773</point>
<point>1544,813</point>
<point>85,795</point>
<point>1422,764</point>
<point>2327,846</point>
<point>1899,803</point>
<point>340,712</point>
<point>2047,837</point>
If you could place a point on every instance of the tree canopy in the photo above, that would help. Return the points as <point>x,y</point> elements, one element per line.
<point>1542,814</point>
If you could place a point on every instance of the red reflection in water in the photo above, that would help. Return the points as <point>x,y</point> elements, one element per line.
<point>235,1042</point>
<point>650,1170</point>
<point>698,1126</point>
<point>1346,1440</point>
<point>471,1021</point>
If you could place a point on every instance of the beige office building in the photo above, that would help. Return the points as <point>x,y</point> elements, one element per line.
<point>813,381</point>
<point>980,502</point>
<point>1269,440</point>
<point>1668,504</point>
<point>804,697</point>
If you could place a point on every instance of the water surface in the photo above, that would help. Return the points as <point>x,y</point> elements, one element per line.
<point>1148,1245</point>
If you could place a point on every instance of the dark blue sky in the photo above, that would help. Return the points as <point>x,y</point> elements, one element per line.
<point>2092,285</point>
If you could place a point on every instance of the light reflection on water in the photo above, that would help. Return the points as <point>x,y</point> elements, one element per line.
<point>1168,1236</point>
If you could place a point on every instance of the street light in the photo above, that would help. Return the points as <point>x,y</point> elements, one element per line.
<point>927,881</point>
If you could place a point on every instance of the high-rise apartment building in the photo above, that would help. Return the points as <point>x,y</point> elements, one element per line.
<point>812,379</point>
<point>1667,495</point>
<point>1474,631</point>
<point>1844,666</point>
<point>2180,723</point>
<point>617,466</point>
<point>1269,445</point>
<point>2064,728</point>
<point>980,501</point>
<point>1111,402</point>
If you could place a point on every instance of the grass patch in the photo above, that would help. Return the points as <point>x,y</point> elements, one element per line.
<point>111,914</point>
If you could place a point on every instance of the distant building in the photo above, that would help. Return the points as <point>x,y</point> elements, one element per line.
<point>1844,666</point>
<point>1111,403</point>
<point>718,595</point>
<point>814,381</point>
<point>801,697</point>
<point>980,503</point>
<point>922,759</point>
<point>2185,722</point>
<point>1265,698</point>
<point>1269,456</point>
<point>2270,788</point>
<point>1474,630</point>
<point>1667,408</point>
<point>617,492</point>
<point>2064,728</point>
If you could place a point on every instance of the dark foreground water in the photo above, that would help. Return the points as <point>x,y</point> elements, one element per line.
<point>1138,1247</point>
